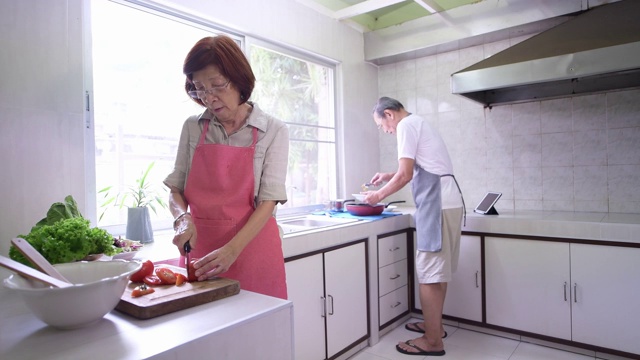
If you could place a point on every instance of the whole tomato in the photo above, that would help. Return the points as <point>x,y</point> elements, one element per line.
<point>192,270</point>
<point>145,270</point>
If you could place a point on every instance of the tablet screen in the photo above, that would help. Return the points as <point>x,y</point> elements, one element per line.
<point>487,203</point>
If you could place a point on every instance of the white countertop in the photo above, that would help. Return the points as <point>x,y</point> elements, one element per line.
<point>554,224</point>
<point>119,336</point>
<point>559,224</point>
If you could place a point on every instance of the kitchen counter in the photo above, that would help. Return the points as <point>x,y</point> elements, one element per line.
<point>222,327</point>
<point>559,224</point>
<point>587,226</point>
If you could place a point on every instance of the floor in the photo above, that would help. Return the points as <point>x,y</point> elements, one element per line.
<point>462,344</point>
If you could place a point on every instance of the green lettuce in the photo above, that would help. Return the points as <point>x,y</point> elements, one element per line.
<point>65,236</point>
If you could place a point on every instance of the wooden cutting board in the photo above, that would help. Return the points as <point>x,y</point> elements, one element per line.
<point>170,298</point>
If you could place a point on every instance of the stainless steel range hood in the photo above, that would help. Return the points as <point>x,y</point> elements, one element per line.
<point>597,51</point>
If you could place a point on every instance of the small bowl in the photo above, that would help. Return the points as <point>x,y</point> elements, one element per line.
<point>359,197</point>
<point>98,286</point>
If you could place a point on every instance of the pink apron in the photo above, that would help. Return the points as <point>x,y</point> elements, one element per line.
<point>219,192</point>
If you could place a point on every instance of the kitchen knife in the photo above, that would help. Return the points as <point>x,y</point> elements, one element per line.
<point>187,251</point>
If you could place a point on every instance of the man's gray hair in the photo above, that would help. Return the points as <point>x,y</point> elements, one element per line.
<point>386,103</point>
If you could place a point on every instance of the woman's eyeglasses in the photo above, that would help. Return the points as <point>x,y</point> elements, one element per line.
<point>215,90</point>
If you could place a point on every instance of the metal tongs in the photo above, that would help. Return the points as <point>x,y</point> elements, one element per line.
<point>187,257</point>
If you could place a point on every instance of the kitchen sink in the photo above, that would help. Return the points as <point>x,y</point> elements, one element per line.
<point>310,222</point>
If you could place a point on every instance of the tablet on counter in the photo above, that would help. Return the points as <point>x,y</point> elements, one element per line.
<point>486,206</point>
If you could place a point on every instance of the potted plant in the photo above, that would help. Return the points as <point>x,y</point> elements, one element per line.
<point>138,199</point>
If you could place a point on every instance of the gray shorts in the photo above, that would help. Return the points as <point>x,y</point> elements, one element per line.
<point>438,267</point>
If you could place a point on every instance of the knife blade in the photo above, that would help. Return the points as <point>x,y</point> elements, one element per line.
<point>187,257</point>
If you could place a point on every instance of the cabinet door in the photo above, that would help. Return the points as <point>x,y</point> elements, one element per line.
<point>606,309</point>
<point>464,292</point>
<point>346,289</point>
<point>305,289</point>
<point>525,282</point>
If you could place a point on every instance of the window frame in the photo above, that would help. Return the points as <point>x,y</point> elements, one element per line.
<point>245,42</point>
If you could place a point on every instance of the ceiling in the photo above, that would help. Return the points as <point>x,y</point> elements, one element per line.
<point>396,30</point>
<point>371,15</point>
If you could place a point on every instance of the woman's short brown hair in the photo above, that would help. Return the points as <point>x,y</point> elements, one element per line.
<point>223,52</point>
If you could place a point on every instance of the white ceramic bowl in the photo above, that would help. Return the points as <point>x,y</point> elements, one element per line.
<point>127,255</point>
<point>98,286</point>
<point>359,197</point>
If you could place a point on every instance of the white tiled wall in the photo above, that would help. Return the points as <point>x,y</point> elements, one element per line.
<point>572,154</point>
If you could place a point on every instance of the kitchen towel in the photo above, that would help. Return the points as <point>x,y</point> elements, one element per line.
<point>346,215</point>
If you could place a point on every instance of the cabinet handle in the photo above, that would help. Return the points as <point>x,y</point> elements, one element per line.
<point>575,292</point>
<point>394,277</point>
<point>394,249</point>
<point>477,284</point>
<point>323,306</point>
<point>565,291</point>
<point>331,301</point>
<point>396,305</point>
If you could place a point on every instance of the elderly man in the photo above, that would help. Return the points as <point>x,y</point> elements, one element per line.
<point>424,161</point>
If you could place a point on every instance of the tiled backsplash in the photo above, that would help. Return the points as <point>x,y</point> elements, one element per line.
<point>572,154</point>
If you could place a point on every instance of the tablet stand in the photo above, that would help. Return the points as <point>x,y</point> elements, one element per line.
<point>492,211</point>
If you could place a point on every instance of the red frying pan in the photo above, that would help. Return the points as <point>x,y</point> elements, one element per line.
<point>368,210</point>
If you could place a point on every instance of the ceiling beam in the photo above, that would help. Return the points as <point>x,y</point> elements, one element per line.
<point>430,5</point>
<point>363,8</point>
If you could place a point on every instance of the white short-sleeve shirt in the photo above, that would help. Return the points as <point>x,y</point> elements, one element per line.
<point>419,141</point>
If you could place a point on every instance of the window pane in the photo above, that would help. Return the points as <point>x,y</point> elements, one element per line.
<point>139,99</point>
<point>300,93</point>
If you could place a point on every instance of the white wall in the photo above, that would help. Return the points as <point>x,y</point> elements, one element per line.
<point>41,111</point>
<point>42,133</point>
<point>573,154</point>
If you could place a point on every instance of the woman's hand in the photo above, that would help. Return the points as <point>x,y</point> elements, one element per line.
<point>216,262</point>
<point>185,231</point>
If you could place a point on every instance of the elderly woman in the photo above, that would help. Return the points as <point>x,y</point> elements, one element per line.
<point>229,173</point>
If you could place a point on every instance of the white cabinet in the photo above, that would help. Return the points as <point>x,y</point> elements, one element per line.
<point>527,286</point>
<point>393,289</point>
<point>580,292</point>
<point>605,290</point>
<point>305,282</point>
<point>329,294</point>
<point>464,292</point>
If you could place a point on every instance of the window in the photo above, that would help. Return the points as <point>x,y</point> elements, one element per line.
<point>140,105</point>
<point>300,93</point>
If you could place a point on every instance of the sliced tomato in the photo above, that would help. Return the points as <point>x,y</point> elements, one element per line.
<point>167,276</point>
<point>152,280</point>
<point>180,279</point>
<point>146,269</point>
<point>141,290</point>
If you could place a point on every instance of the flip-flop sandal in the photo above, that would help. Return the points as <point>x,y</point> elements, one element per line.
<point>416,328</point>
<point>420,351</point>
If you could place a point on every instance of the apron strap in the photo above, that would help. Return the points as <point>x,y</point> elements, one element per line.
<point>205,128</point>
<point>464,207</point>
